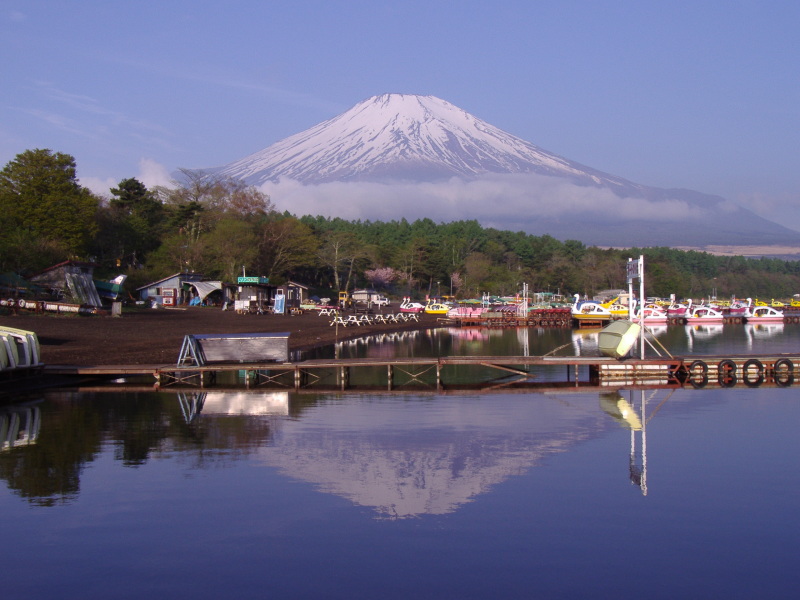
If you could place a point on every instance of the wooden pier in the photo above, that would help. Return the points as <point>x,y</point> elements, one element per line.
<point>537,317</point>
<point>458,372</point>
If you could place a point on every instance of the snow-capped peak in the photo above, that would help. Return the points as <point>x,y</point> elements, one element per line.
<point>401,136</point>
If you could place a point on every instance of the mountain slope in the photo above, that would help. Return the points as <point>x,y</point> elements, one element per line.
<point>451,165</point>
<point>397,136</point>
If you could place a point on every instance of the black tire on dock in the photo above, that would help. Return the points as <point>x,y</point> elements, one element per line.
<point>698,364</point>
<point>726,373</point>
<point>759,379</point>
<point>783,363</point>
<point>698,383</point>
<point>783,372</point>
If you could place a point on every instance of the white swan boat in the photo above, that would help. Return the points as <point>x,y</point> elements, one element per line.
<point>589,310</point>
<point>765,314</point>
<point>407,306</point>
<point>704,314</point>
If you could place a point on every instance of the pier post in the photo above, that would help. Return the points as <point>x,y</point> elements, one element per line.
<point>389,376</point>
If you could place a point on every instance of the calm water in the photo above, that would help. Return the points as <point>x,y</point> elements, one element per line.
<point>655,494</point>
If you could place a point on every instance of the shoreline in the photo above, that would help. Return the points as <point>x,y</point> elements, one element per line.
<point>147,336</point>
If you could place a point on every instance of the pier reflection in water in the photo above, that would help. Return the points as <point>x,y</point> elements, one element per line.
<point>218,493</point>
<point>533,341</point>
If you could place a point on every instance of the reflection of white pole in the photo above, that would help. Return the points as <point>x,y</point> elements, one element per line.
<point>630,292</point>
<point>644,447</point>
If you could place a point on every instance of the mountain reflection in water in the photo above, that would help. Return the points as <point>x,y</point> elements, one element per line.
<point>413,456</point>
<point>344,495</point>
<point>401,456</point>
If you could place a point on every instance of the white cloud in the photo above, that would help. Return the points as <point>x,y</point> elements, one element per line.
<point>98,186</point>
<point>507,200</point>
<point>152,173</point>
<point>783,208</point>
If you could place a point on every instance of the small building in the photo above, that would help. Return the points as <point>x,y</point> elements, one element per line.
<point>70,281</point>
<point>173,290</point>
<point>256,294</point>
<point>250,294</point>
<point>295,294</point>
<point>369,297</point>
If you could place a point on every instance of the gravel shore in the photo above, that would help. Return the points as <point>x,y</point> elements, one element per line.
<point>146,336</point>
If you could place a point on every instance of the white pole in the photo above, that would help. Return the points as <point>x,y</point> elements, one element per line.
<point>641,300</point>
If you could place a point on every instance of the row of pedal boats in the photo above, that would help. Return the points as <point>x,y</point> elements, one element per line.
<point>654,314</point>
<point>688,313</point>
<point>19,349</point>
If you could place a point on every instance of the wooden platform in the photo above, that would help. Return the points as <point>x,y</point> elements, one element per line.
<point>462,371</point>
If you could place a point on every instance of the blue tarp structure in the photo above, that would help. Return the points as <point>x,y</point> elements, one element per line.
<point>280,304</point>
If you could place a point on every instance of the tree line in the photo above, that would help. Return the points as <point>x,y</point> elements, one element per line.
<point>222,227</point>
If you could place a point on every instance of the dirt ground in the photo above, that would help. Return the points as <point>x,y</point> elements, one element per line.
<point>146,336</point>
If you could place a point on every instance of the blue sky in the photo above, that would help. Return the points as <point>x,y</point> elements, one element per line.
<point>702,95</point>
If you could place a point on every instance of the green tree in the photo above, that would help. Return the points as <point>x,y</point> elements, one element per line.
<point>285,244</point>
<point>232,244</point>
<point>339,251</point>
<point>40,193</point>
<point>130,225</point>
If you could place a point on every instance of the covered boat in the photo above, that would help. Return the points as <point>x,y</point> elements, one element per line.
<point>20,349</point>
<point>617,339</point>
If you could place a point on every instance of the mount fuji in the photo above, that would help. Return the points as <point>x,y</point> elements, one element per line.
<point>400,156</point>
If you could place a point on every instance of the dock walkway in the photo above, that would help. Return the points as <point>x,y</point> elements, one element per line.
<point>471,371</point>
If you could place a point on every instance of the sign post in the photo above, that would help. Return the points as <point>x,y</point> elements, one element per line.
<point>636,271</point>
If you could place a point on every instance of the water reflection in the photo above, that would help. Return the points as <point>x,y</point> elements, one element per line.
<point>414,457</point>
<point>399,456</point>
<point>19,426</point>
<point>232,403</point>
<point>535,341</point>
<point>701,333</point>
<point>760,332</point>
<point>451,488</point>
<point>585,343</point>
<point>623,411</point>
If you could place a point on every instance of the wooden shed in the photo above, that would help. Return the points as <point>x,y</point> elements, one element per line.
<point>170,291</point>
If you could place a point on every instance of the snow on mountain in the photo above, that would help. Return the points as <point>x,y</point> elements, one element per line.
<point>405,156</point>
<point>406,137</point>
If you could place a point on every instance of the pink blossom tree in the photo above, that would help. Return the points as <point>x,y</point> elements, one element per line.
<point>381,277</point>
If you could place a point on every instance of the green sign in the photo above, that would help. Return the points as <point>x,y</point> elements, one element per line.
<point>253,280</point>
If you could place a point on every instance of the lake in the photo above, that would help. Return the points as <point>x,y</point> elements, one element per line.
<point>565,494</point>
